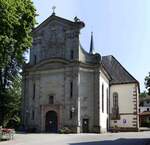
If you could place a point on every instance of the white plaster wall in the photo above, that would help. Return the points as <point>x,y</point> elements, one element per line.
<point>126,104</point>
<point>125,97</point>
<point>142,109</point>
<point>103,115</point>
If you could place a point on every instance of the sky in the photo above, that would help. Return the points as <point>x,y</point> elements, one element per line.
<point>120,27</point>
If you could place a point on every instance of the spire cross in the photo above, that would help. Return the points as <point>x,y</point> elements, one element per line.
<point>53,8</point>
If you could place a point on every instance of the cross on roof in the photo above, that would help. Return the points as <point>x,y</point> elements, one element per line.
<point>53,8</point>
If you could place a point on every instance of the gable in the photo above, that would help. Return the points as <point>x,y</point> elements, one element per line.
<point>56,37</point>
<point>60,20</point>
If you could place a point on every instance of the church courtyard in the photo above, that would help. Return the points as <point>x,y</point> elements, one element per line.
<point>132,138</point>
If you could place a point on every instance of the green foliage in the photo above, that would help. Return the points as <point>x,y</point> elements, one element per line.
<point>65,130</point>
<point>143,94</point>
<point>17,19</point>
<point>147,83</point>
<point>145,123</point>
<point>13,104</point>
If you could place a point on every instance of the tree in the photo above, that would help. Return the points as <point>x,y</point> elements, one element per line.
<point>147,83</point>
<point>143,94</point>
<point>13,104</point>
<point>17,19</point>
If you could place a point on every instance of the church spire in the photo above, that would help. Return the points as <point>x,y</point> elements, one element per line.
<point>92,45</point>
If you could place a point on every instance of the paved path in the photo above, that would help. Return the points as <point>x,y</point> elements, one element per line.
<point>138,138</point>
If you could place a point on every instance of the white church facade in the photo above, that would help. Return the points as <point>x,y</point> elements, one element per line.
<point>65,86</point>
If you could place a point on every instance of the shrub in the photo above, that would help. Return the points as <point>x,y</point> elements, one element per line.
<point>65,130</point>
<point>146,123</point>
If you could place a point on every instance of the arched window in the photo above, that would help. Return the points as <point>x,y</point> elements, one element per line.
<point>34,88</point>
<point>71,89</point>
<point>115,99</point>
<point>115,109</point>
<point>71,54</point>
<point>102,97</point>
<point>34,59</point>
<point>107,92</point>
<point>33,114</point>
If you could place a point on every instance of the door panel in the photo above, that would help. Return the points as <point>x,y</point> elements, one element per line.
<point>85,125</point>
<point>51,122</point>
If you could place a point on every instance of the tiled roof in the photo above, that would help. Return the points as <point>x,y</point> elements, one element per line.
<point>119,75</point>
<point>144,113</point>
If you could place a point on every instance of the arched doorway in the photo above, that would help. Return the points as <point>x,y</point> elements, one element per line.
<point>51,122</point>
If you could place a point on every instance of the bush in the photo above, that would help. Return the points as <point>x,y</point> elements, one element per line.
<point>65,130</point>
<point>145,123</point>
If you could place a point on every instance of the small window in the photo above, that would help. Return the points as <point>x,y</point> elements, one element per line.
<point>115,109</point>
<point>71,115</point>
<point>115,99</point>
<point>34,59</point>
<point>107,100</point>
<point>34,87</point>
<point>147,109</point>
<point>71,54</point>
<point>115,121</point>
<point>71,89</point>
<point>33,114</point>
<point>147,102</point>
<point>102,98</point>
<point>51,99</point>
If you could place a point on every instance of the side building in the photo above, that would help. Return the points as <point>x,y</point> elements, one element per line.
<point>144,111</point>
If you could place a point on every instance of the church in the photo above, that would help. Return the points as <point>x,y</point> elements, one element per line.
<point>66,86</point>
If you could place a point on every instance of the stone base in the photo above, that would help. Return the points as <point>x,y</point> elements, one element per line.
<point>124,129</point>
<point>96,129</point>
<point>78,129</point>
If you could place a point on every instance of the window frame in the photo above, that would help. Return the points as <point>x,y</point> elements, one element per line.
<point>71,54</point>
<point>51,99</point>
<point>34,89</point>
<point>71,89</point>
<point>33,115</point>
<point>115,107</point>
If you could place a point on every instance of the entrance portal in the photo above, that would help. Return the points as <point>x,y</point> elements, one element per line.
<point>51,122</point>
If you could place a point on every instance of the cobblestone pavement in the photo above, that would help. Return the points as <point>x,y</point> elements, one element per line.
<point>137,138</point>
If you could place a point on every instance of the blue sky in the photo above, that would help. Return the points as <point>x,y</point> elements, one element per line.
<point>121,28</point>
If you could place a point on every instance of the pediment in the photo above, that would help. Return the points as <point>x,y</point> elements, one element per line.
<point>52,32</point>
<point>53,21</point>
